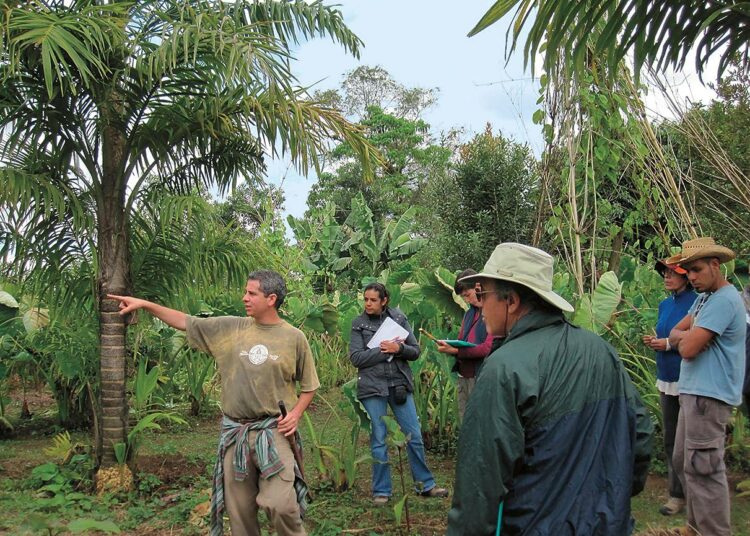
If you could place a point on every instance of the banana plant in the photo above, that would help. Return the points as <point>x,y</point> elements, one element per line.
<point>397,239</point>
<point>323,241</point>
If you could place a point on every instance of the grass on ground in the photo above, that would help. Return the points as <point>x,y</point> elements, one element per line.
<point>174,469</point>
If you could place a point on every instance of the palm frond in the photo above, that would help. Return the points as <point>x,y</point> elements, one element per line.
<point>659,34</point>
<point>68,45</point>
<point>286,20</point>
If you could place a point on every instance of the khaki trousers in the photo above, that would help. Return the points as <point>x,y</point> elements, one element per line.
<point>698,461</point>
<point>464,387</point>
<point>275,495</point>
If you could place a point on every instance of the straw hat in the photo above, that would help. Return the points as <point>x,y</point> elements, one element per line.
<point>701,248</point>
<point>525,265</point>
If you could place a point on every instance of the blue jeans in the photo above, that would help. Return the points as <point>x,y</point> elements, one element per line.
<point>406,416</point>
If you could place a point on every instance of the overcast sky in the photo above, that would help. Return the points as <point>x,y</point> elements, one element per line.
<point>423,43</point>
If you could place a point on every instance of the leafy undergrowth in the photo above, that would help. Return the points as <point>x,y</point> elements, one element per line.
<point>173,482</point>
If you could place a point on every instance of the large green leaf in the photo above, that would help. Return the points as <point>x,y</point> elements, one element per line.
<point>594,312</point>
<point>34,319</point>
<point>330,317</point>
<point>356,409</point>
<point>7,300</point>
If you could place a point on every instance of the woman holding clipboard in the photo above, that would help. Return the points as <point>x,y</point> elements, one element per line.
<point>469,357</point>
<point>385,379</point>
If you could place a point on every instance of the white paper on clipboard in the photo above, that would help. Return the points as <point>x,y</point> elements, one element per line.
<point>387,331</point>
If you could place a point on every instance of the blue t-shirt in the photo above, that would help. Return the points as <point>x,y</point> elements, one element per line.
<point>718,371</point>
<point>671,311</point>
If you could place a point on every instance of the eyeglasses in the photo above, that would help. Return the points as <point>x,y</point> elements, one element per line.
<point>478,291</point>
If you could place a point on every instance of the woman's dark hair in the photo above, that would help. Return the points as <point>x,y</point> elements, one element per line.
<point>661,268</point>
<point>379,288</point>
<point>459,287</point>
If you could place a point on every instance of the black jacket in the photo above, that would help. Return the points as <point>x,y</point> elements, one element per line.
<point>375,373</point>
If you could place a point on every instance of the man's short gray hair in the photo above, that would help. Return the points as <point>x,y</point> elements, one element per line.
<point>270,282</point>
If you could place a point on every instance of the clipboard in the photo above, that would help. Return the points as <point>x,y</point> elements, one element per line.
<point>459,344</point>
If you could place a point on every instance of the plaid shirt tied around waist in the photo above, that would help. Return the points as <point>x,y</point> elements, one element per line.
<point>266,455</point>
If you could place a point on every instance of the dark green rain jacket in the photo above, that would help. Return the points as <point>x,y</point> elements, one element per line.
<point>555,431</point>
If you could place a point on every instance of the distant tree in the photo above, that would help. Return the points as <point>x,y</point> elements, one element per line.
<point>366,87</point>
<point>410,158</point>
<point>252,205</point>
<point>489,198</point>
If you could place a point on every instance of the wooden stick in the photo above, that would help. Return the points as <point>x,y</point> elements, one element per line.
<point>430,335</point>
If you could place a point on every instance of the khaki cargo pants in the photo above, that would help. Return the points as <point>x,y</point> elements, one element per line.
<point>276,495</point>
<point>698,460</point>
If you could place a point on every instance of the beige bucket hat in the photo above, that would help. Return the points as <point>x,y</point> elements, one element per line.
<point>700,248</point>
<point>525,265</point>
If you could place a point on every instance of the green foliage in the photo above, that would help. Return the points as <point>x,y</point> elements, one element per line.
<point>337,464</point>
<point>410,156</point>
<point>147,483</point>
<point>98,101</point>
<point>657,34</point>
<point>594,311</point>
<point>87,524</point>
<point>344,254</point>
<point>489,199</point>
<point>711,148</point>
<point>144,386</point>
<point>64,485</point>
<point>61,352</point>
<point>121,453</point>
<point>62,447</point>
<point>396,438</point>
<point>322,240</point>
<point>200,369</point>
<point>610,189</point>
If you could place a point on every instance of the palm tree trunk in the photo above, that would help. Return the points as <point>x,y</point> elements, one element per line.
<point>113,277</point>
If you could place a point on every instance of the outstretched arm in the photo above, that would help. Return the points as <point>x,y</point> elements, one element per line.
<point>171,317</point>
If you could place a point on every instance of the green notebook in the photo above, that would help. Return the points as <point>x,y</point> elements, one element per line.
<point>459,344</point>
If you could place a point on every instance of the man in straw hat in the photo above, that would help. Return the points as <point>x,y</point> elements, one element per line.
<point>555,439</point>
<point>711,341</point>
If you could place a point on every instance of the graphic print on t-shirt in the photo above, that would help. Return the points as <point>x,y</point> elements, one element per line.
<point>258,355</point>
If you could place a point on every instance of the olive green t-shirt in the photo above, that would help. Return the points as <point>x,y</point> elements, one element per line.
<point>258,363</point>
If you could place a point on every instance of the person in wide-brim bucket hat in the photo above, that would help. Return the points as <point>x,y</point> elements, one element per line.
<point>525,265</point>
<point>701,248</point>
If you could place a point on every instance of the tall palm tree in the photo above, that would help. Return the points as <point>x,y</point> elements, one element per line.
<point>660,34</point>
<point>99,97</point>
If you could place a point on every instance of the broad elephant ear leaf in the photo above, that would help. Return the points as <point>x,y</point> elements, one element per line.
<point>35,319</point>
<point>434,290</point>
<point>7,300</point>
<point>594,311</point>
<point>330,318</point>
